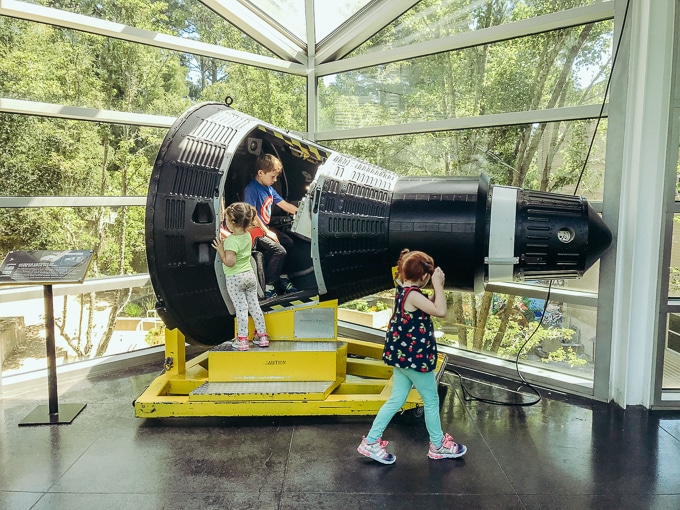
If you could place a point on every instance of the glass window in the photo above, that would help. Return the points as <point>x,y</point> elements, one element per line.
<point>53,65</point>
<point>116,235</point>
<point>87,326</point>
<point>546,157</point>
<point>556,69</point>
<point>559,337</point>
<point>674,275</point>
<point>435,19</point>
<point>330,15</point>
<point>189,19</point>
<point>671,357</point>
<point>671,367</point>
<point>57,157</point>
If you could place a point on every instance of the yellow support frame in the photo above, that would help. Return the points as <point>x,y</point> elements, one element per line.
<point>361,385</point>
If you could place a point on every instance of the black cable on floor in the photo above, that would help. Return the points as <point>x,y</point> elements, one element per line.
<point>469,397</point>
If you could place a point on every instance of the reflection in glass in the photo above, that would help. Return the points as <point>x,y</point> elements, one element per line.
<point>115,233</point>
<point>87,326</point>
<point>546,157</point>
<point>558,337</point>
<point>434,19</point>
<point>671,366</point>
<point>555,69</point>
<point>674,274</point>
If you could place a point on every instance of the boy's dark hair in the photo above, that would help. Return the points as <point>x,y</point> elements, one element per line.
<point>413,265</point>
<point>240,214</point>
<point>267,163</point>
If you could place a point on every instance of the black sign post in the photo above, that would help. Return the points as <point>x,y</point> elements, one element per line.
<point>47,267</point>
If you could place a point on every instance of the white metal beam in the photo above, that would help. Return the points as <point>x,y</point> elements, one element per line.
<point>572,296</point>
<point>638,149</point>
<point>40,14</point>
<point>25,292</point>
<point>483,121</point>
<point>312,83</point>
<point>32,202</point>
<point>253,25</point>
<point>87,114</point>
<point>564,19</point>
<point>358,29</point>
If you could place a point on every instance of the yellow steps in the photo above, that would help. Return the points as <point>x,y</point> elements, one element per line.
<point>282,361</point>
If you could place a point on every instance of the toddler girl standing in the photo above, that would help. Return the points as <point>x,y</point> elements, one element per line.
<point>240,278</point>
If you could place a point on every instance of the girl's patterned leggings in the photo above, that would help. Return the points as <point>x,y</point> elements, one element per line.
<point>242,289</point>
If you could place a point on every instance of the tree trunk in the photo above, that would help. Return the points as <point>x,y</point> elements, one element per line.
<point>457,315</point>
<point>532,138</point>
<point>505,319</point>
<point>480,324</point>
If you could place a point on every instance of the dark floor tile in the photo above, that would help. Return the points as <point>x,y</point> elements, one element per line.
<point>395,501</point>
<point>670,422</point>
<point>160,501</point>
<point>612,452</point>
<point>324,459</point>
<point>18,500</point>
<point>593,455</point>
<point>596,502</point>
<point>35,457</point>
<point>181,458</point>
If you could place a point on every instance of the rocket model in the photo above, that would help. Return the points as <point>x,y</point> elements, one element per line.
<point>353,220</point>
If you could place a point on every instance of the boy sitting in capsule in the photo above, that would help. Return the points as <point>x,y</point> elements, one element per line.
<point>275,244</point>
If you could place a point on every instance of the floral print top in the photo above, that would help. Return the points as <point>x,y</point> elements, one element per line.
<point>410,341</point>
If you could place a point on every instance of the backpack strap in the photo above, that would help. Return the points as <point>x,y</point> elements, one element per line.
<point>407,291</point>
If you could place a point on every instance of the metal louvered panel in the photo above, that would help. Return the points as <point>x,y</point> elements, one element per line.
<point>352,221</point>
<point>551,235</point>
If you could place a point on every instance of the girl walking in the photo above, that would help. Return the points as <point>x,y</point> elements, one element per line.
<point>410,348</point>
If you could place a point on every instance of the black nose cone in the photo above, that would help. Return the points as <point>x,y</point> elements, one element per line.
<point>599,237</point>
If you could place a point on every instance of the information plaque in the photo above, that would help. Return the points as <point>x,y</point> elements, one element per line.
<point>47,267</point>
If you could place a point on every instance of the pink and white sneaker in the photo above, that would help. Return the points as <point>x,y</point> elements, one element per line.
<point>261,340</point>
<point>448,450</point>
<point>241,343</point>
<point>376,451</point>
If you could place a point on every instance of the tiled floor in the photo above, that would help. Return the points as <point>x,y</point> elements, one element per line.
<point>560,453</point>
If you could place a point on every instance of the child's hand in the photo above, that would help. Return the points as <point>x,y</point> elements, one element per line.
<point>438,278</point>
<point>217,244</point>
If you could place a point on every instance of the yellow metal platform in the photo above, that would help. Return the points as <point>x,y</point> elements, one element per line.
<point>306,370</point>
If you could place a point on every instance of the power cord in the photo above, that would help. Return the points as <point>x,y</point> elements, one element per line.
<point>467,395</point>
<point>604,98</point>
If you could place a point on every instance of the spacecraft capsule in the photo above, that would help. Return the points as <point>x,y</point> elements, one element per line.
<point>353,219</point>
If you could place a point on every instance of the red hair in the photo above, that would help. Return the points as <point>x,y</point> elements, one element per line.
<point>413,265</point>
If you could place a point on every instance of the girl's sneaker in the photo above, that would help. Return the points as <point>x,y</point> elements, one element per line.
<point>376,451</point>
<point>241,343</point>
<point>261,340</point>
<point>448,450</point>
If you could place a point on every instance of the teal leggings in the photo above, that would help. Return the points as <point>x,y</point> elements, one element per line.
<point>426,384</point>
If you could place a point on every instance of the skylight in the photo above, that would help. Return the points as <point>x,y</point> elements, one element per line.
<point>328,15</point>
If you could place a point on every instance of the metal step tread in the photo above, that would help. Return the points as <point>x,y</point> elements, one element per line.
<point>283,346</point>
<point>259,387</point>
